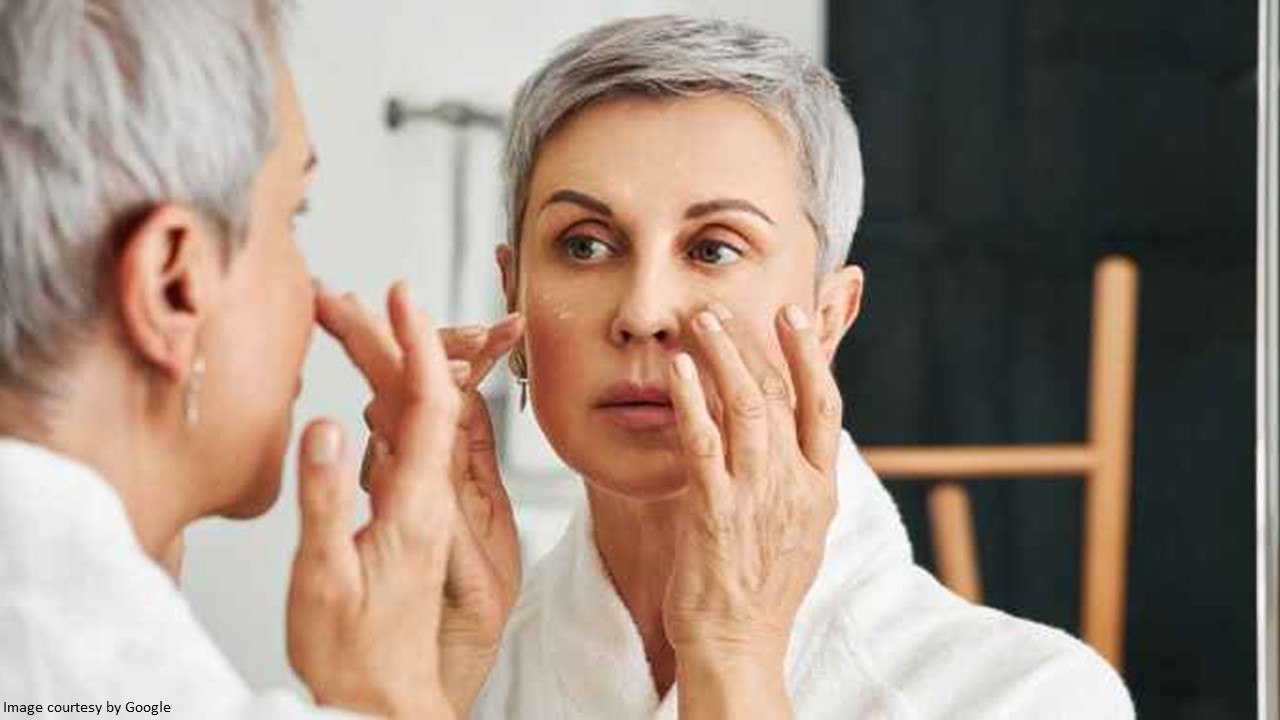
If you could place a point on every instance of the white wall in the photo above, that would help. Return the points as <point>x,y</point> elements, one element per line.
<point>380,211</point>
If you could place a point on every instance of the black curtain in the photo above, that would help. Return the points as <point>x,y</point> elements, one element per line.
<point>1008,145</point>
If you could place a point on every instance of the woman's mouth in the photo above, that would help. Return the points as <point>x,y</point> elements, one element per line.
<point>637,406</point>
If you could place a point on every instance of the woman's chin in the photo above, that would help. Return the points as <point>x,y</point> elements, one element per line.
<point>259,497</point>
<point>646,476</point>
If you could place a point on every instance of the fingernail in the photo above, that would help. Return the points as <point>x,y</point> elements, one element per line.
<point>684,366</point>
<point>708,322</point>
<point>795,317</point>
<point>515,322</point>
<point>355,299</point>
<point>472,332</point>
<point>721,311</point>
<point>323,448</point>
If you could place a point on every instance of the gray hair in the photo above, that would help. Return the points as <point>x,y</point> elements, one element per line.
<point>107,108</point>
<point>675,56</point>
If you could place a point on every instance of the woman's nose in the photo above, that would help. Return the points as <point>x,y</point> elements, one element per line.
<point>648,311</point>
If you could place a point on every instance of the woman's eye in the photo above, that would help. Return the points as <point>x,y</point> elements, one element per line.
<point>586,249</point>
<point>714,252</point>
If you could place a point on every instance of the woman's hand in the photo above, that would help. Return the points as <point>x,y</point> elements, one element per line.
<point>484,560</point>
<point>761,497</point>
<point>484,565</point>
<point>364,609</point>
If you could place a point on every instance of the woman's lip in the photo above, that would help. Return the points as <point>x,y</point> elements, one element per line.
<point>634,393</point>
<point>640,416</point>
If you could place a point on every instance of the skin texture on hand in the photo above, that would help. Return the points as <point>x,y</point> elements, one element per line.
<point>761,497</point>
<point>364,608</point>
<point>484,564</point>
<point>483,573</point>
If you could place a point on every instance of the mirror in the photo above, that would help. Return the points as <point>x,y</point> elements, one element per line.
<point>1010,148</point>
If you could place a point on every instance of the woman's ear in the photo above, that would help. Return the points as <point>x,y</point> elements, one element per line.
<point>839,302</point>
<point>167,268</point>
<point>506,263</point>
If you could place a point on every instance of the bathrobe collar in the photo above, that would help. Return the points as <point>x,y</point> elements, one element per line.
<point>594,649</point>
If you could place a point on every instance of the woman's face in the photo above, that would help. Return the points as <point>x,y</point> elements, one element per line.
<point>257,337</point>
<point>641,212</point>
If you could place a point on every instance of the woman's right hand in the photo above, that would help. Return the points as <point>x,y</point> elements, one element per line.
<point>484,559</point>
<point>364,609</point>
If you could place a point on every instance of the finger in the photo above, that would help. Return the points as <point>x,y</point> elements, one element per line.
<point>382,413</point>
<point>475,509</point>
<point>470,341</point>
<point>772,381</point>
<point>326,493</point>
<point>428,424</point>
<point>508,329</point>
<point>458,464</point>
<point>460,373</point>
<point>364,337</point>
<point>462,343</point>
<point>502,338</point>
<point>482,451</point>
<point>376,463</point>
<point>819,408</point>
<point>745,421</point>
<point>380,417</point>
<point>700,439</point>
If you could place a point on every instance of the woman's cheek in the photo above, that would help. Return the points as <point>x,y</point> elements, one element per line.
<point>557,340</point>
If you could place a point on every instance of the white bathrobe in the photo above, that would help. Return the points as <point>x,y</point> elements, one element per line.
<point>87,617</point>
<point>876,637</point>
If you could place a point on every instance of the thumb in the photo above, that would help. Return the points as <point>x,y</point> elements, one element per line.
<point>326,488</point>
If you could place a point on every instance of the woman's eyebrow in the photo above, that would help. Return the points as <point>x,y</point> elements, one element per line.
<point>580,199</point>
<point>721,204</point>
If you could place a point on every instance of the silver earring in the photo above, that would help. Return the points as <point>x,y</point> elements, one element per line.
<point>524,392</point>
<point>191,393</point>
<point>519,367</point>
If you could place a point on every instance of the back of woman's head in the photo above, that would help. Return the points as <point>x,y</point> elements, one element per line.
<point>107,108</point>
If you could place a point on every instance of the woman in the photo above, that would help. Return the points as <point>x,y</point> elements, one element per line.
<point>683,193</point>
<point>154,315</point>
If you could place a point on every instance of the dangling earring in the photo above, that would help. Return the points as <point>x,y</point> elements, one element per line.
<point>518,366</point>
<point>191,393</point>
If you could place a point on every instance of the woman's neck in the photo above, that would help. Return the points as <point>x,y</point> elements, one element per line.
<point>94,424</point>
<point>637,544</point>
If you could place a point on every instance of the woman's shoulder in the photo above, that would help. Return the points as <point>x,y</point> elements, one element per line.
<point>947,657</point>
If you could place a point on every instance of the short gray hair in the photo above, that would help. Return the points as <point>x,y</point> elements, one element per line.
<point>676,56</point>
<point>107,108</point>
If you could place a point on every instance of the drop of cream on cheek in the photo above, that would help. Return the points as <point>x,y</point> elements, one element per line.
<point>562,309</point>
<point>562,303</point>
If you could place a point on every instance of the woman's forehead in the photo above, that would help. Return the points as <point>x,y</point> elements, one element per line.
<point>640,149</point>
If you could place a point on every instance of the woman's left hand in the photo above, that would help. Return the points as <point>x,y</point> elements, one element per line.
<point>761,497</point>
<point>484,559</point>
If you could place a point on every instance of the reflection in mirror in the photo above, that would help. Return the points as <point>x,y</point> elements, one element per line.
<point>1051,368</point>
